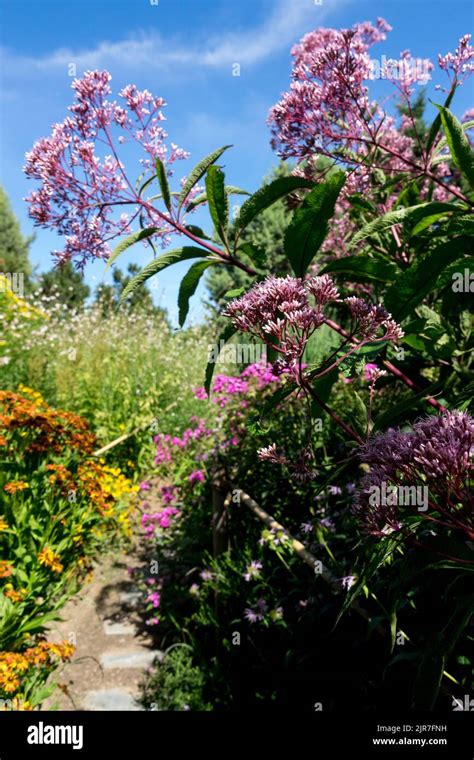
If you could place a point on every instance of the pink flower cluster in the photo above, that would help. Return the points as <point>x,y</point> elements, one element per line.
<point>278,311</point>
<point>327,112</point>
<point>460,64</point>
<point>328,102</point>
<point>285,312</point>
<point>82,188</point>
<point>151,521</point>
<point>165,442</point>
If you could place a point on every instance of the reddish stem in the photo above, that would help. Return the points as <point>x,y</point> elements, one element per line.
<point>388,365</point>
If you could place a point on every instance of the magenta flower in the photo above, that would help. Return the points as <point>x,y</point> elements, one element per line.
<point>154,598</point>
<point>197,476</point>
<point>145,486</point>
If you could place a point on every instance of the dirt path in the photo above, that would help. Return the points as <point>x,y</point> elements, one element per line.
<point>112,649</point>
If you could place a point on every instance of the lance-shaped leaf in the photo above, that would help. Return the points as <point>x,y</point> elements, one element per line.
<point>436,125</point>
<point>155,266</point>
<point>217,200</point>
<point>461,151</point>
<point>422,277</point>
<point>230,190</point>
<point>412,214</point>
<point>163,180</point>
<point>135,237</point>
<point>188,287</point>
<point>257,255</point>
<point>363,268</point>
<point>225,335</point>
<point>267,195</point>
<point>199,171</point>
<point>309,225</point>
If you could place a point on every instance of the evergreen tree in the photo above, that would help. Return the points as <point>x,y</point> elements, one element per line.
<point>66,283</point>
<point>14,247</point>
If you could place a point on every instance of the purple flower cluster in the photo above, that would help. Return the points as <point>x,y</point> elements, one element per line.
<point>81,189</point>
<point>369,319</point>
<point>437,454</point>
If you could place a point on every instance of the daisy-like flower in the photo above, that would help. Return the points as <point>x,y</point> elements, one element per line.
<point>15,485</point>
<point>49,559</point>
<point>253,570</point>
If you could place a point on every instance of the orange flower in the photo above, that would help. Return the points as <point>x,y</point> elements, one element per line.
<point>15,485</point>
<point>6,569</point>
<point>49,559</point>
<point>13,594</point>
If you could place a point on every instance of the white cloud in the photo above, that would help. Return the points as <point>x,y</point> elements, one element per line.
<point>284,24</point>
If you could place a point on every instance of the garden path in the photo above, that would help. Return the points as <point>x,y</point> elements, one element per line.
<point>113,650</point>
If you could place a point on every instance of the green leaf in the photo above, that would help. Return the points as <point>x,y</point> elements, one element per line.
<point>155,266</point>
<point>230,190</point>
<point>459,146</point>
<point>323,388</point>
<point>257,255</point>
<point>225,335</point>
<point>398,411</point>
<point>267,195</point>
<point>412,214</point>
<point>421,278</point>
<point>235,292</point>
<point>163,180</point>
<point>436,125</point>
<point>135,237</point>
<point>309,224</point>
<point>364,268</point>
<point>360,419</point>
<point>436,652</point>
<point>217,200</point>
<point>188,287</point>
<point>199,170</point>
<point>443,142</point>
<point>461,225</point>
<point>197,231</point>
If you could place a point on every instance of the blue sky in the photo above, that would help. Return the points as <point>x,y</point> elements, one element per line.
<point>183,50</point>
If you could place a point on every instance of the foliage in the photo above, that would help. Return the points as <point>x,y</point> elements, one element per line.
<point>60,509</point>
<point>14,246</point>
<point>64,284</point>
<point>175,684</point>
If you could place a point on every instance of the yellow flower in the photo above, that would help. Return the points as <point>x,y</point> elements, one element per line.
<point>15,485</point>
<point>49,559</point>
<point>3,524</point>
